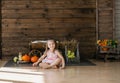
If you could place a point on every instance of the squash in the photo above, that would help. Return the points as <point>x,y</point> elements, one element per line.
<point>15,59</point>
<point>34,58</point>
<point>26,58</point>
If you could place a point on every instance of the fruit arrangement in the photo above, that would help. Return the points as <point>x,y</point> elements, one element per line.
<point>70,54</point>
<point>26,58</point>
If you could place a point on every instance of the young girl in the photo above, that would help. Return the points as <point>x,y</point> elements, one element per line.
<point>51,58</point>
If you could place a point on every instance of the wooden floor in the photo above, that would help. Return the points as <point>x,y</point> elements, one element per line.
<point>108,72</point>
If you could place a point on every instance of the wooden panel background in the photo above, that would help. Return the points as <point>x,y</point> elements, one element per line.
<point>0,33</point>
<point>117,20</point>
<point>105,19</point>
<point>28,20</point>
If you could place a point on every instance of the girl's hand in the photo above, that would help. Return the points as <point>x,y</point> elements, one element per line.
<point>35,64</point>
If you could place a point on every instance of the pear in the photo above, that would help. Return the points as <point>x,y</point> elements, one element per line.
<point>72,55</point>
<point>69,52</point>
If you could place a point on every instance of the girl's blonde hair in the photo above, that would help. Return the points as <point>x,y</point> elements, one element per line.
<point>46,49</point>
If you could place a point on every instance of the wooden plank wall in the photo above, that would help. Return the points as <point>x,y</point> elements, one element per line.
<point>28,20</point>
<point>105,19</point>
<point>0,33</point>
<point>117,20</point>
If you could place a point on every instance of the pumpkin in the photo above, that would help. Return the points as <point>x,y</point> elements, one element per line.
<point>34,58</point>
<point>26,57</point>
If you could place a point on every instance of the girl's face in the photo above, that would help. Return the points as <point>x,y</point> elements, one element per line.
<point>51,44</point>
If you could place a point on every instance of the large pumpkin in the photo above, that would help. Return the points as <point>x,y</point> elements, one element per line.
<point>34,58</point>
<point>26,57</point>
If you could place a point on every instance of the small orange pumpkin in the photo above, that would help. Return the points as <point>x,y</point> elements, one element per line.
<point>34,58</point>
<point>26,57</point>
